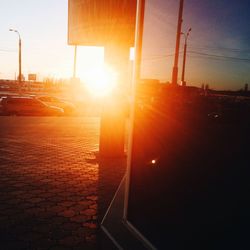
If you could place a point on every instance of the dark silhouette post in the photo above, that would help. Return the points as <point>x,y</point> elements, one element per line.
<point>178,36</point>
<point>112,126</point>
<point>184,58</point>
<point>19,57</point>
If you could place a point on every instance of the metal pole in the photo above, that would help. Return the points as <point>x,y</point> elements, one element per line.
<point>19,58</point>
<point>138,45</point>
<point>184,58</point>
<point>178,36</point>
<point>20,61</point>
<point>140,11</point>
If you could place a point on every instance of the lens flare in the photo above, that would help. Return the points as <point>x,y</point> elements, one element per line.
<point>153,161</point>
<point>101,81</point>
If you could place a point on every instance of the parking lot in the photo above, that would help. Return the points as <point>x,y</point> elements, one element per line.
<point>54,189</point>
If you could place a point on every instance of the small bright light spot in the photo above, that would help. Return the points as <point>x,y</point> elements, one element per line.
<point>153,161</point>
<point>101,81</point>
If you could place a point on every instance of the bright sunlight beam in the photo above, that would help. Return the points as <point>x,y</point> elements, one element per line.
<point>100,81</point>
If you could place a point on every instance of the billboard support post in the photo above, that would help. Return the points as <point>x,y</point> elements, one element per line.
<point>109,24</point>
<point>113,117</point>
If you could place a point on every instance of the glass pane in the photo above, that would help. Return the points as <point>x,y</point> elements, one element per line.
<point>190,153</point>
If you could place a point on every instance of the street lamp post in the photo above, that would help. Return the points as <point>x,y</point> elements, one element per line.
<point>184,57</point>
<point>19,57</point>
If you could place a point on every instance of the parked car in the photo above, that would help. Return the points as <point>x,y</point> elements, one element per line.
<point>22,105</point>
<point>68,107</point>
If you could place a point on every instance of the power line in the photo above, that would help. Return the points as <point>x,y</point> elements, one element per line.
<point>201,55</point>
<point>197,46</point>
<point>216,59</point>
<point>219,56</point>
<point>158,56</point>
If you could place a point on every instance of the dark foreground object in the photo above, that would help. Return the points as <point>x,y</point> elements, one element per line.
<point>190,172</point>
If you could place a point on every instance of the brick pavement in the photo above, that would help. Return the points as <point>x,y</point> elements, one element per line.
<point>52,188</point>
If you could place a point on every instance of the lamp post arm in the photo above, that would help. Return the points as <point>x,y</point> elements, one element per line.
<point>18,34</point>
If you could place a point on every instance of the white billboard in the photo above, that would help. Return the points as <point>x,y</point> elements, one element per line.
<point>101,22</point>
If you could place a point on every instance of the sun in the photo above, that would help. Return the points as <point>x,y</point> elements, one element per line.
<point>100,81</point>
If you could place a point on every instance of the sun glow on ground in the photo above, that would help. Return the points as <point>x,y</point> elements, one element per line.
<point>100,80</point>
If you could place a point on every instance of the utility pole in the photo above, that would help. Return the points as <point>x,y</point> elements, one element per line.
<point>184,58</point>
<point>178,36</point>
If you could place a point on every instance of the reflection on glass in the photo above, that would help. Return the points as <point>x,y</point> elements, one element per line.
<point>197,135</point>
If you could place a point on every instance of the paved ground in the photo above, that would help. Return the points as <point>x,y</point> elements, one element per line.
<point>53,189</point>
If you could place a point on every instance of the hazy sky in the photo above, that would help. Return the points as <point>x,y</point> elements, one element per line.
<point>219,44</point>
<point>43,29</point>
